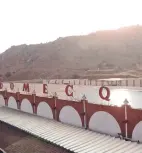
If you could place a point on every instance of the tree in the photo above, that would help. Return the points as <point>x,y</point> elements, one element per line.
<point>8,74</point>
<point>75,76</point>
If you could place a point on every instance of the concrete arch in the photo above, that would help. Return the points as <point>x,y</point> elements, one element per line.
<point>12,102</point>
<point>70,116</point>
<point>2,101</point>
<point>26,106</point>
<point>104,122</point>
<point>137,132</point>
<point>43,109</point>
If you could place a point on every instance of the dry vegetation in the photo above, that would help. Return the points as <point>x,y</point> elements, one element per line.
<point>111,52</point>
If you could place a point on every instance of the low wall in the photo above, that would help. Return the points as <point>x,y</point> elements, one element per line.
<point>104,119</point>
<point>76,92</point>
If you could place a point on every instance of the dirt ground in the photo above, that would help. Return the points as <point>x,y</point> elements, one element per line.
<point>13,140</point>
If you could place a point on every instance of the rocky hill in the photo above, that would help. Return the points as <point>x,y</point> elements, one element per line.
<point>112,51</point>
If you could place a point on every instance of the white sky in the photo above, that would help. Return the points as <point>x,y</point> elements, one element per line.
<point>36,21</point>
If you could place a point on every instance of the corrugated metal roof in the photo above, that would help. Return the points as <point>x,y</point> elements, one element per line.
<point>72,138</point>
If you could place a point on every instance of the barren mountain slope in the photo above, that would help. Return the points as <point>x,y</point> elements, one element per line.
<point>73,56</point>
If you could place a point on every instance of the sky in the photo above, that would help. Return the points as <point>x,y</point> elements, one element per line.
<point>39,21</point>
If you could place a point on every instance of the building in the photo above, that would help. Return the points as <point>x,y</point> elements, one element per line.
<point>77,126</point>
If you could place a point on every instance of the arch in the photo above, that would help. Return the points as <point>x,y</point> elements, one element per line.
<point>12,102</point>
<point>2,101</point>
<point>137,132</point>
<point>26,106</point>
<point>70,116</point>
<point>43,109</point>
<point>104,122</point>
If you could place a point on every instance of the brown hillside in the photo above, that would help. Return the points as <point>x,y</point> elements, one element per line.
<point>70,57</point>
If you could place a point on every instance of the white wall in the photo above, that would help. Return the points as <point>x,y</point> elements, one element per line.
<point>91,92</point>
<point>2,101</point>
<point>70,116</point>
<point>44,110</point>
<point>12,103</point>
<point>137,132</point>
<point>104,122</point>
<point>26,106</point>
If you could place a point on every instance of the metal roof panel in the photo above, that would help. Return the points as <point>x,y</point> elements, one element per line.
<point>72,138</point>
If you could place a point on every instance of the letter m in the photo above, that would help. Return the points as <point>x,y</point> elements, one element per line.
<point>26,87</point>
